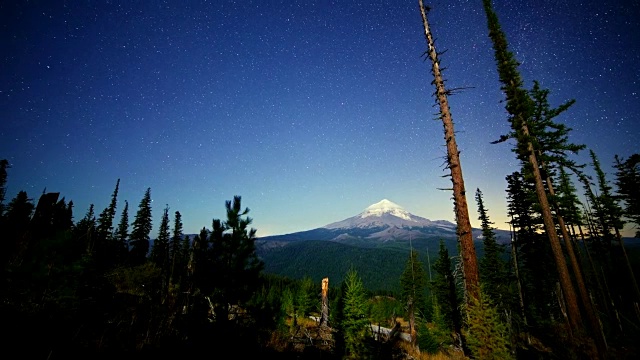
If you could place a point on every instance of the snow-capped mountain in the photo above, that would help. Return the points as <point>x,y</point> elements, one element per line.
<point>379,223</point>
<point>387,214</point>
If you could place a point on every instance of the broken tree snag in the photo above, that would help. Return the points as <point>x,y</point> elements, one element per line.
<point>324,317</point>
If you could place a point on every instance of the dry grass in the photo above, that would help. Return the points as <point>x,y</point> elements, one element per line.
<point>415,354</point>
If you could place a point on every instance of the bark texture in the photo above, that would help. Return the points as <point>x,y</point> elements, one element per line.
<point>461,209</point>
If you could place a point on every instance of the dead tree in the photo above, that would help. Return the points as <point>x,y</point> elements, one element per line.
<point>467,247</point>
<point>324,317</point>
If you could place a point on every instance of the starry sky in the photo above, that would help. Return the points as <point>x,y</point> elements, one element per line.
<point>309,110</point>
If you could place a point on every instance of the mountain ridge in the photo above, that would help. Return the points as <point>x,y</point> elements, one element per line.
<point>381,222</point>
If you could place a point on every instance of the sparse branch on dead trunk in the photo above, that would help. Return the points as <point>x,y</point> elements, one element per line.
<point>467,247</point>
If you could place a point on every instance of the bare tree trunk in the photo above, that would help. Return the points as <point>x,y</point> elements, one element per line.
<point>514,257</point>
<point>324,317</point>
<point>412,322</point>
<point>603,299</point>
<point>467,247</point>
<point>632,277</point>
<point>569,294</point>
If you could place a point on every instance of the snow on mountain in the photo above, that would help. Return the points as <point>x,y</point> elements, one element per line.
<point>388,207</point>
<point>387,214</point>
<point>381,222</point>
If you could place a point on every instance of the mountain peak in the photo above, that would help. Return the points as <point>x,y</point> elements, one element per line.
<point>386,207</point>
<point>385,215</point>
<point>384,204</point>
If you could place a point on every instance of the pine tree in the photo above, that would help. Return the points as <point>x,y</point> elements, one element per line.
<point>552,147</point>
<point>486,334</point>
<point>289,308</point>
<point>568,201</point>
<point>461,210</point>
<point>493,268</point>
<point>4,165</point>
<point>160,250</point>
<point>520,108</point>
<point>122,235</point>
<point>606,212</point>
<point>105,220</point>
<point>63,216</point>
<point>444,289</point>
<point>354,322</point>
<point>17,217</point>
<point>185,253</point>
<point>413,286</point>
<point>628,187</point>
<point>611,218</point>
<point>305,297</point>
<point>236,266</point>
<point>175,245</point>
<point>104,246</point>
<point>142,225</point>
<point>533,255</point>
<point>569,206</point>
<point>85,230</point>
<point>611,210</point>
<point>199,267</point>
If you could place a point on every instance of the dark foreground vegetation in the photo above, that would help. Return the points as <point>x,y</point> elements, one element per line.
<point>94,288</point>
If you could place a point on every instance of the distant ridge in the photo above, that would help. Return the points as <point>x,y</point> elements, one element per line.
<point>381,222</point>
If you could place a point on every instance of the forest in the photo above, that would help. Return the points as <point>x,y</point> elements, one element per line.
<point>104,286</point>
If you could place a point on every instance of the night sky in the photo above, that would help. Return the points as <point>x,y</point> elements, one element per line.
<point>309,110</point>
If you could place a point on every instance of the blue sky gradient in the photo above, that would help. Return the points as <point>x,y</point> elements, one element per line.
<point>309,110</point>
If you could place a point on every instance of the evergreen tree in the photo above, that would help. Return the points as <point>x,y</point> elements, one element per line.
<point>288,302</point>
<point>611,210</point>
<point>440,330</point>
<point>520,107</point>
<point>611,218</point>
<point>160,249</point>
<point>569,206</point>
<point>493,272</point>
<point>142,225</point>
<point>306,297</point>
<point>105,246</point>
<point>105,220</point>
<point>85,229</point>
<point>4,165</point>
<point>486,334</point>
<point>568,201</point>
<point>445,292</point>
<point>354,322</point>
<point>236,266</point>
<point>549,138</point>
<point>607,211</point>
<point>185,254</point>
<point>199,265</point>
<point>552,148</point>
<point>122,235</point>
<point>175,249</point>
<point>532,254</point>
<point>628,187</point>
<point>63,216</point>
<point>413,286</point>
<point>18,218</point>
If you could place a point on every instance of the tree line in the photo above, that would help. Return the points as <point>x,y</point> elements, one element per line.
<point>100,287</point>
<point>588,306</point>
